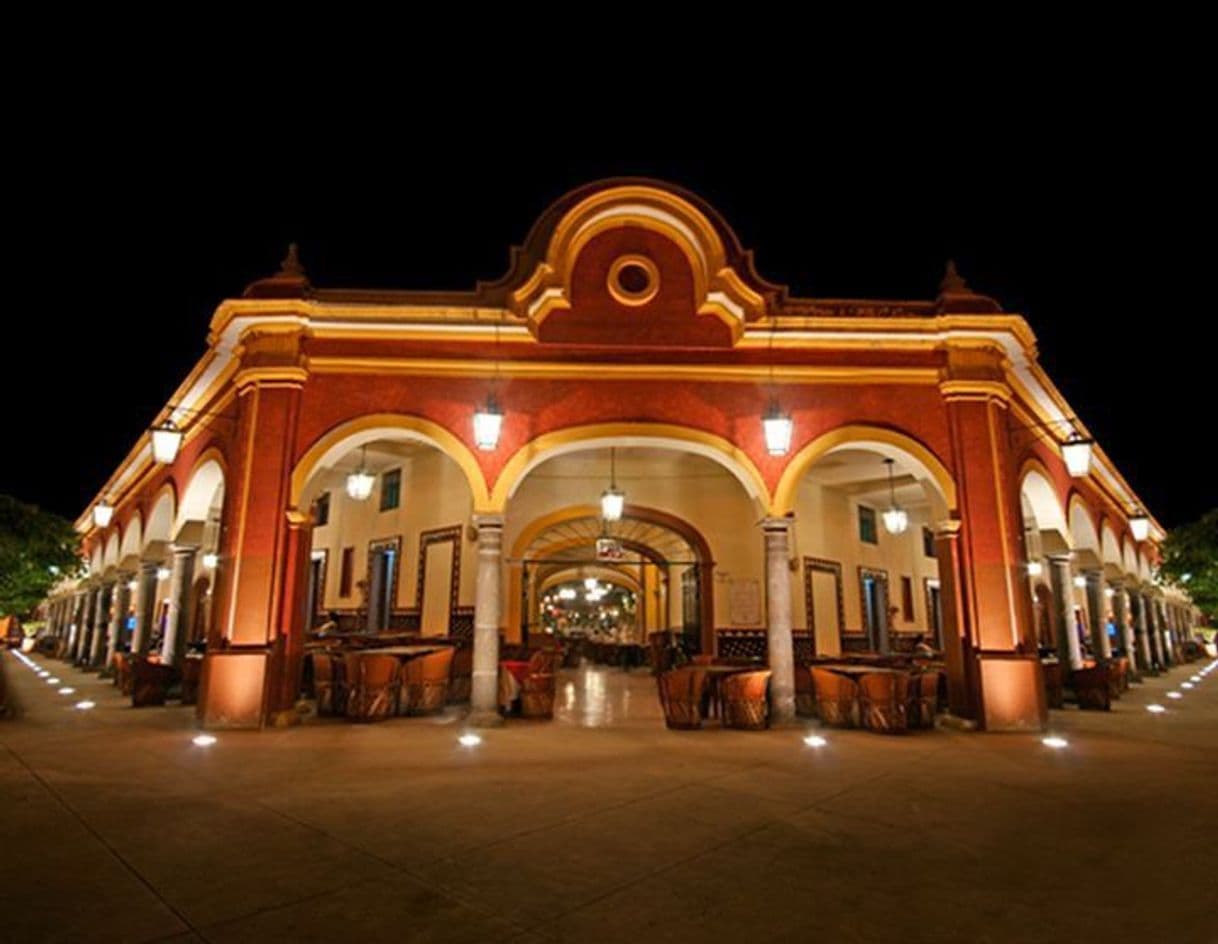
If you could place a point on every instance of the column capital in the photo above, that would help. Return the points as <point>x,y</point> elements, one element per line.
<point>947,528</point>
<point>773,523</point>
<point>488,522</point>
<point>1061,559</point>
<point>184,550</point>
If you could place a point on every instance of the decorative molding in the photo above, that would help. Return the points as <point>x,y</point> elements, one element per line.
<point>813,565</point>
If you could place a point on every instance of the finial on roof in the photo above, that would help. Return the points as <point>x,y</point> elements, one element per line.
<point>953,281</point>
<point>291,263</point>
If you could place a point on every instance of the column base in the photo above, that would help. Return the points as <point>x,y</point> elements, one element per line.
<point>287,718</point>
<point>955,722</point>
<point>484,719</point>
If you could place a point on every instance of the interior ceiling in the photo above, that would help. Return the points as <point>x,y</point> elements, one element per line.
<point>633,463</point>
<point>576,539</point>
<point>381,455</point>
<point>863,475</point>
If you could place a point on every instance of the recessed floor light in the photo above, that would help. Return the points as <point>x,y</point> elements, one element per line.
<point>1057,743</point>
<point>1156,709</point>
<point>1174,695</point>
<point>52,681</point>
<point>1186,684</point>
<point>1196,678</point>
<point>203,740</point>
<point>67,691</point>
<point>815,740</point>
<point>469,740</point>
<point>43,674</point>
<point>84,705</point>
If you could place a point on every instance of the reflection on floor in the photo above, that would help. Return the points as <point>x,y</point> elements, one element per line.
<point>595,696</point>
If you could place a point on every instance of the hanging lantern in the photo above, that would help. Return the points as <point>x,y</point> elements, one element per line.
<point>896,519</point>
<point>778,429</point>
<point>488,421</point>
<point>589,583</point>
<point>613,502</point>
<point>1076,451</point>
<point>166,441</point>
<point>103,511</point>
<point>1139,525</point>
<point>360,482</point>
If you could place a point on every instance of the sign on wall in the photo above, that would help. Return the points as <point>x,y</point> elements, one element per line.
<point>744,602</point>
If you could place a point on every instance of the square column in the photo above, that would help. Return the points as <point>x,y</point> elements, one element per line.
<point>122,595</point>
<point>173,646</point>
<point>145,600</point>
<point>101,625</point>
<point>1061,577</point>
<point>778,619</point>
<point>1120,613</point>
<point>484,695</point>
<point>80,651</point>
<point>1144,643</point>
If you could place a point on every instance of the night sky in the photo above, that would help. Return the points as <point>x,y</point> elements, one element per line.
<point>1089,228</point>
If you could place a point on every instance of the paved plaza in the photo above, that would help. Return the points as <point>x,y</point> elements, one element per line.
<point>603,826</point>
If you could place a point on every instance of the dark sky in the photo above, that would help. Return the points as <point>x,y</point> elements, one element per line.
<point>1091,221</point>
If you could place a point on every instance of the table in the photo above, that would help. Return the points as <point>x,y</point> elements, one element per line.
<point>402,652</point>
<point>860,669</point>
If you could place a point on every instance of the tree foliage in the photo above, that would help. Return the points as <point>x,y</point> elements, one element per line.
<point>37,550</point>
<point>1190,560</point>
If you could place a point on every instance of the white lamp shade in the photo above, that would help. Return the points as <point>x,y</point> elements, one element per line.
<point>359,484</point>
<point>103,511</point>
<point>488,422</point>
<point>896,520</point>
<point>778,429</point>
<point>1139,525</point>
<point>613,503</point>
<point>1076,451</point>
<point>166,441</point>
<point>1035,568</point>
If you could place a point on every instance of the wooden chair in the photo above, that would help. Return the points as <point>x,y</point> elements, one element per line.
<point>1118,677</point>
<point>461,675</point>
<point>425,681</point>
<point>1091,688</point>
<point>150,682</point>
<point>122,672</point>
<point>746,703</point>
<point>372,686</point>
<point>923,699</point>
<point>683,696</point>
<point>883,702</point>
<point>538,690</point>
<point>805,692</point>
<point>836,698</point>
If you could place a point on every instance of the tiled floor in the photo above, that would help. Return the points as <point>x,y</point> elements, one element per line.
<point>603,826</point>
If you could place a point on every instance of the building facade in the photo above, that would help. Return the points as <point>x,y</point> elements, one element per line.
<point>631,344</point>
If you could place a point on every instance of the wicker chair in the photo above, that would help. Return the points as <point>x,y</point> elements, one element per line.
<point>683,696</point>
<point>1055,689</point>
<point>746,702</point>
<point>1118,677</point>
<point>883,702</point>
<point>923,699</point>
<point>836,697</point>
<point>461,675</point>
<point>537,691</point>
<point>372,686</point>
<point>425,682</point>
<point>150,682</point>
<point>328,685</point>
<point>192,669</point>
<point>122,672</point>
<point>1091,688</point>
<point>805,692</point>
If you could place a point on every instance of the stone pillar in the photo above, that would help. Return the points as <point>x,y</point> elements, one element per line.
<point>778,619</point>
<point>173,647</point>
<point>89,601</point>
<point>1165,641</point>
<point>1062,580</point>
<point>1120,613</point>
<point>488,601</point>
<point>52,617</point>
<point>122,595</point>
<point>1095,608</point>
<point>1144,645</point>
<point>77,604</point>
<point>145,600</point>
<point>101,625</point>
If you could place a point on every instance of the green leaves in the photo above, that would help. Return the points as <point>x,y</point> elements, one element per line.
<point>1190,560</point>
<point>37,550</point>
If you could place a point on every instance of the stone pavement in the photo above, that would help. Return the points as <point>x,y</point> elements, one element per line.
<point>115,827</point>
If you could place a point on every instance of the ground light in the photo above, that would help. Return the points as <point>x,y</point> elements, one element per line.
<point>67,691</point>
<point>83,705</point>
<point>1186,684</point>
<point>1155,709</point>
<point>43,674</point>
<point>203,740</point>
<point>1174,695</point>
<point>815,740</point>
<point>1196,678</point>
<point>469,740</point>
<point>1057,743</point>
<point>52,681</point>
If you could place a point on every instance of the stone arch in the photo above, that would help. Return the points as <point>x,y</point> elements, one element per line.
<point>132,541</point>
<point>1039,499</point>
<point>339,440</point>
<point>159,524</point>
<point>1110,550</point>
<point>890,443</point>
<point>1083,535</point>
<point>626,435</point>
<point>110,554</point>
<point>1129,557</point>
<point>205,481</point>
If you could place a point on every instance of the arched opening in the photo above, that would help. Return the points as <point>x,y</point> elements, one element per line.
<point>682,562</point>
<point>1046,537</point>
<point>184,624</point>
<point>866,509</point>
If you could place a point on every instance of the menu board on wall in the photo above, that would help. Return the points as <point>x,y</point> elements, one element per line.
<point>744,602</point>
